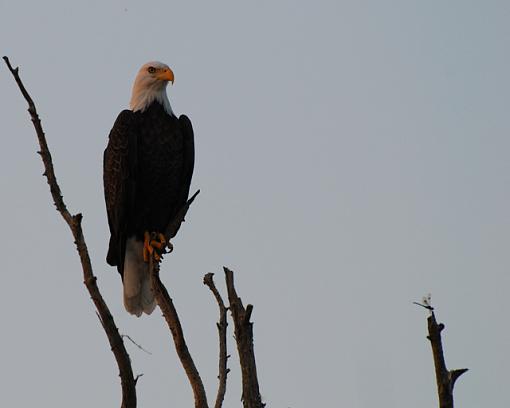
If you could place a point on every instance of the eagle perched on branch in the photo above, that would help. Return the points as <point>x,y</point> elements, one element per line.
<point>147,171</point>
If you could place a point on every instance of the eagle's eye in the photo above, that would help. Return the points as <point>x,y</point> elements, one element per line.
<point>151,70</point>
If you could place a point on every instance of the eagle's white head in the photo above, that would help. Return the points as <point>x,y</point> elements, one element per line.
<point>150,85</point>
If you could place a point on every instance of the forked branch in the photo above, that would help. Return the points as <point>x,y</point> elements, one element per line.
<point>222,335</point>
<point>445,378</point>
<point>128,382</point>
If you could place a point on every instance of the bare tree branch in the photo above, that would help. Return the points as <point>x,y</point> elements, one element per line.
<point>445,379</point>
<point>173,226</point>
<point>222,334</point>
<point>243,330</point>
<point>167,307</point>
<point>128,382</point>
<point>241,316</point>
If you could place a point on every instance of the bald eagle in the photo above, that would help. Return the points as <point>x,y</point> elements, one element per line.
<point>147,171</point>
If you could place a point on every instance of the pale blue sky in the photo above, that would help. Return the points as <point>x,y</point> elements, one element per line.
<point>352,157</point>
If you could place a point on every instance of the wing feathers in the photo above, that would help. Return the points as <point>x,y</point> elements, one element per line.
<point>119,179</point>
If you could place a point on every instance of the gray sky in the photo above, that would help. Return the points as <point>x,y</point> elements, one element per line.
<point>352,157</point>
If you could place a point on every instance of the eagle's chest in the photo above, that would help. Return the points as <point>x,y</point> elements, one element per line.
<point>160,162</point>
<point>160,148</point>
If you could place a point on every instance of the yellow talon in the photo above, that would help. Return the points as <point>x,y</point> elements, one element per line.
<point>154,245</point>
<point>157,244</point>
<point>147,243</point>
<point>147,249</point>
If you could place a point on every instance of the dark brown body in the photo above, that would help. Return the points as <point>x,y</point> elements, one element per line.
<point>148,165</point>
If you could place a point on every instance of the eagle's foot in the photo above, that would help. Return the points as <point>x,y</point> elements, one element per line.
<point>154,245</point>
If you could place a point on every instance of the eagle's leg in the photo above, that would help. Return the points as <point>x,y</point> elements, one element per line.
<point>154,244</point>
<point>147,249</point>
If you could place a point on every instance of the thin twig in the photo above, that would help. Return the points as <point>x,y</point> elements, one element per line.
<point>222,334</point>
<point>243,330</point>
<point>428,307</point>
<point>44,152</point>
<point>137,377</point>
<point>74,222</point>
<point>173,226</point>
<point>135,343</point>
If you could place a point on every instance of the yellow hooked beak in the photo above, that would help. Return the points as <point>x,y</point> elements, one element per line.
<point>166,75</point>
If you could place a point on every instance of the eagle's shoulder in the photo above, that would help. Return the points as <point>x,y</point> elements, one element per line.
<point>123,136</point>
<point>123,124</point>
<point>119,160</point>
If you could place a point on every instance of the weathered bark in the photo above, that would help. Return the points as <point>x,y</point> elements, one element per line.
<point>243,330</point>
<point>128,382</point>
<point>167,307</point>
<point>445,378</point>
<point>222,336</point>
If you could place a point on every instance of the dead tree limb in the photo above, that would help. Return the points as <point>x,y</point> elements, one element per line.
<point>222,334</point>
<point>167,307</point>
<point>128,382</point>
<point>445,378</point>
<point>243,330</point>
<point>174,225</point>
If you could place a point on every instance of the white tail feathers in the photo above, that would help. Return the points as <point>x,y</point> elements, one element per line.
<point>138,296</point>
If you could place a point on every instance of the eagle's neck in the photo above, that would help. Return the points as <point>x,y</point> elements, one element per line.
<point>143,96</point>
